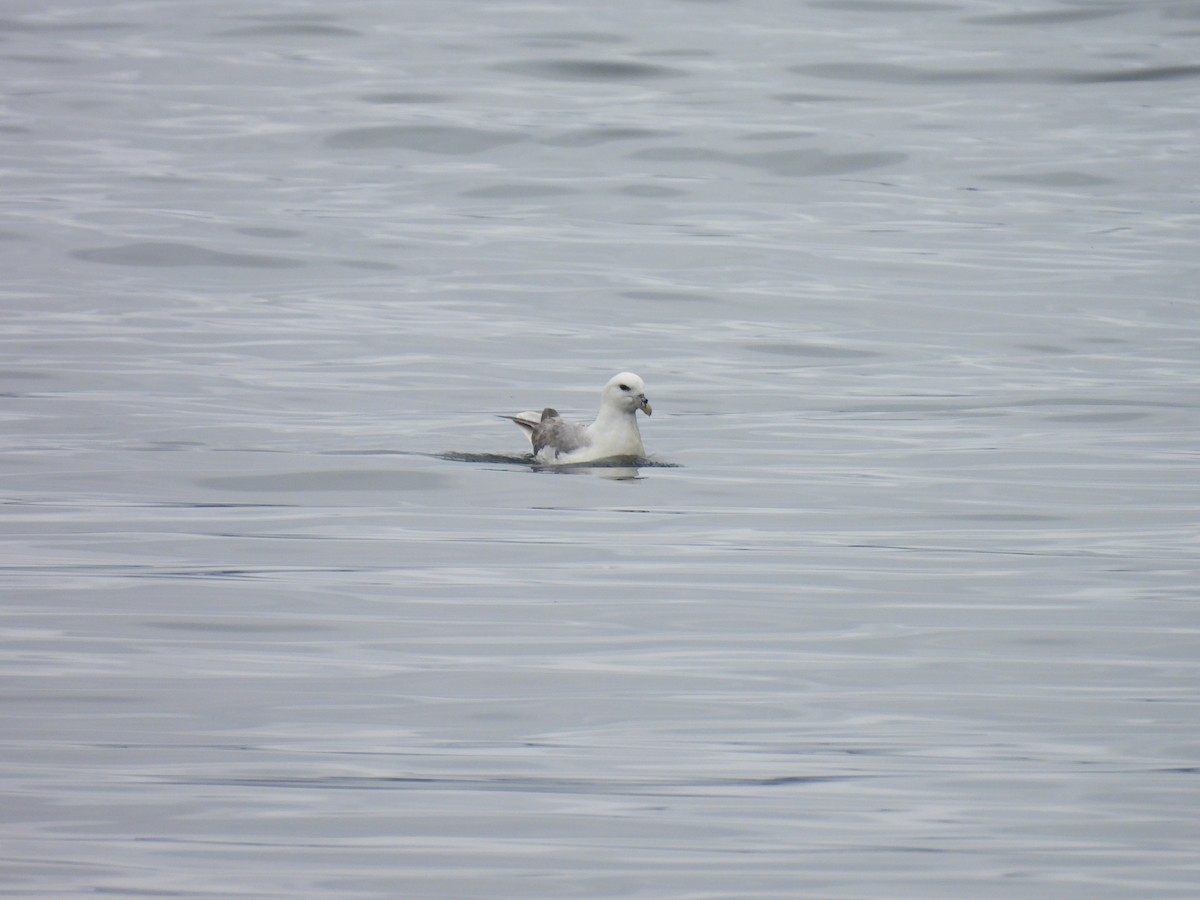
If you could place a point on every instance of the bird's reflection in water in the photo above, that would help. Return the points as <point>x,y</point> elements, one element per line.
<point>615,468</point>
<point>612,473</point>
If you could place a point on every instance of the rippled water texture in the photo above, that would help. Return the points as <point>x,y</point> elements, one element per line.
<point>903,604</point>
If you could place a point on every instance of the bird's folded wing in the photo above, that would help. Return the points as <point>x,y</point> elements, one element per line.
<point>559,435</point>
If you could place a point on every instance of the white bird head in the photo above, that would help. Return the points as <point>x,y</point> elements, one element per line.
<point>626,392</point>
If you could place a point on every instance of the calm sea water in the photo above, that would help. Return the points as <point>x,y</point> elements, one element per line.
<point>907,606</point>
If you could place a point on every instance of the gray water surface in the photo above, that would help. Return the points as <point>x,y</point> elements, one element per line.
<point>906,604</point>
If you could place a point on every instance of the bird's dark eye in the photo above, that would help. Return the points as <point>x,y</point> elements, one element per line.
<point>623,387</point>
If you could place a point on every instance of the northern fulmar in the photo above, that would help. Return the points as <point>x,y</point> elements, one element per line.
<point>614,433</point>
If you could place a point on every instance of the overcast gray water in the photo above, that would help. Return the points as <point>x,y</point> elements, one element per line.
<point>904,603</point>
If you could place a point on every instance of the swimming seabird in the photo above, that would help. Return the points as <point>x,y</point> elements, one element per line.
<point>614,433</point>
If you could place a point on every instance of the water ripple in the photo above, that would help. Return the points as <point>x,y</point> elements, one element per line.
<point>172,254</point>
<point>435,139</point>
<point>892,73</point>
<point>796,163</point>
<point>591,70</point>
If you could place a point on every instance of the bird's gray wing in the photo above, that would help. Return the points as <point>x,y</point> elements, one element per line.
<point>554,432</point>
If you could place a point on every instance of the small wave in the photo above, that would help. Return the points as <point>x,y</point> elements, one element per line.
<point>527,459</point>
